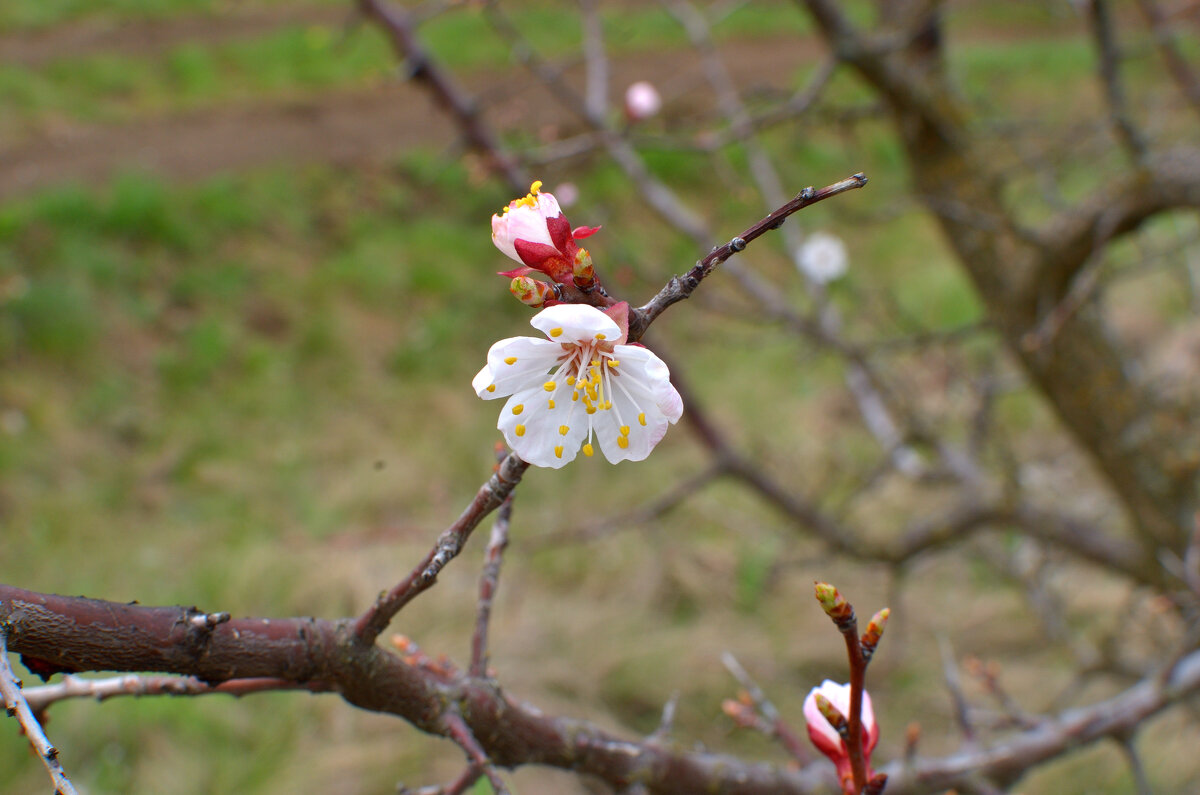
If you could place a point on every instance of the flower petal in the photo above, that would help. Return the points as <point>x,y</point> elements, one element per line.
<point>514,364</point>
<point>579,323</point>
<point>534,431</point>
<point>644,404</point>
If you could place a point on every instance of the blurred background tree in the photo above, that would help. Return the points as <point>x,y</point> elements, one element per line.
<point>245,280</point>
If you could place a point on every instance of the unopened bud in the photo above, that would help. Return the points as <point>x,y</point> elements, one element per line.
<point>530,292</point>
<point>870,638</point>
<point>833,603</point>
<point>584,273</point>
<point>740,713</point>
<point>642,101</point>
<point>831,713</point>
<point>876,785</point>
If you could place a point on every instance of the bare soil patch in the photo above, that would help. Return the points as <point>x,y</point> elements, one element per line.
<point>359,126</point>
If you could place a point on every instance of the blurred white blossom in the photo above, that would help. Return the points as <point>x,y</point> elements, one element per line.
<point>822,257</point>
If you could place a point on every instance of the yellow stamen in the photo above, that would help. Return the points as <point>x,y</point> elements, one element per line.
<point>613,362</point>
<point>549,386</point>
<point>607,405</point>
<point>588,451</point>
<point>550,405</point>
<point>600,336</point>
<point>519,430</point>
<point>624,430</point>
<point>570,380</point>
<point>535,188</point>
<point>591,409</point>
<point>558,451</point>
<point>641,419</point>
<point>623,442</point>
<point>491,388</point>
<point>562,430</point>
<point>595,363</point>
<point>517,409</point>
<point>574,396</point>
<point>555,332</point>
<point>510,360</point>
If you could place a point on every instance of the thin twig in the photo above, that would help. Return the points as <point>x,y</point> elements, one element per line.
<point>777,727</point>
<point>489,497</point>
<point>1110,77</point>
<point>1177,65</point>
<point>42,697</point>
<point>18,707</point>
<point>460,732</point>
<point>681,287</point>
<point>489,581</point>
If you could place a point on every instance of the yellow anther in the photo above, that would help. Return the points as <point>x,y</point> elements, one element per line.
<point>600,336</point>
<point>570,380</point>
<point>517,409</point>
<point>550,405</point>
<point>491,388</point>
<point>535,188</point>
<point>549,386</point>
<point>556,332</point>
<point>624,430</point>
<point>591,409</point>
<point>510,360</point>
<point>613,362</point>
<point>623,442</point>
<point>588,451</point>
<point>574,396</point>
<point>607,405</point>
<point>558,451</point>
<point>562,430</point>
<point>519,430</point>
<point>641,419</point>
<point>595,363</point>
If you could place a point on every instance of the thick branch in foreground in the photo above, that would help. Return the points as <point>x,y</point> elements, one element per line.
<point>91,635</point>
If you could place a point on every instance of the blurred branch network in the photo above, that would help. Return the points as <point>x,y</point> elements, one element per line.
<point>1068,227</point>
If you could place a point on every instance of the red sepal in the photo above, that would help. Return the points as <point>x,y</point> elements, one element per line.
<point>580,232</point>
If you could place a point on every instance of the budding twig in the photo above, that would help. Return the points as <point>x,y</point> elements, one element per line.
<point>681,287</point>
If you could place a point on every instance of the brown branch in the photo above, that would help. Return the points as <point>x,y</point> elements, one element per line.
<point>1007,761</point>
<point>79,634</point>
<point>489,581</point>
<point>398,26</point>
<point>489,497</point>
<point>17,706</point>
<point>775,726</point>
<point>1108,57</point>
<point>681,287</point>
<point>1177,65</point>
<point>42,697</point>
<point>83,634</point>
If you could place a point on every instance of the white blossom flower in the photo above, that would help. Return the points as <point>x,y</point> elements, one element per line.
<point>642,101</point>
<point>578,385</point>
<point>822,257</point>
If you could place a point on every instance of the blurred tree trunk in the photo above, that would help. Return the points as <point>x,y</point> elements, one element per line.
<point>1146,448</point>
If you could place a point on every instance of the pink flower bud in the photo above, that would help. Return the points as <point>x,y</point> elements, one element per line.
<point>533,231</point>
<point>823,734</point>
<point>642,101</point>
